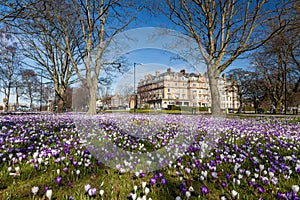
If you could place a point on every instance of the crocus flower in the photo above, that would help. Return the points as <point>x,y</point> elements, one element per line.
<point>134,188</point>
<point>234,194</point>
<point>295,188</point>
<point>214,174</point>
<point>188,194</point>
<point>49,194</point>
<point>260,189</point>
<point>133,196</point>
<point>87,187</point>
<point>58,180</point>
<point>144,184</point>
<point>101,192</point>
<point>34,190</point>
<point>204,190</point>
<point>92,192</point>
<point>152,181</point>
<point>223,184</point>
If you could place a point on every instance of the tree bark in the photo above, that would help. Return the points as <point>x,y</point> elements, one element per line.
<point>213,76</point>
<point>8,97</point>
<point>17,96</point>
<point>93,97</point>
<point>60,96</point>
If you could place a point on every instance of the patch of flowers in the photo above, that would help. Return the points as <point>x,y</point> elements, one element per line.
<point>218,159</point>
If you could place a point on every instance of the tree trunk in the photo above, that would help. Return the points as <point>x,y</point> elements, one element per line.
<point>61,100</point>
<point>93,97</point>
<point>241,103</point>
<point>8,96</point>
<point>17,97</point>
<point>213,76</point>
<point>31,102</point>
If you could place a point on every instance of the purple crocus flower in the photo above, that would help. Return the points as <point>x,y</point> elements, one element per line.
<point>204,190</point>
<point>187,170</point>
<point>223,184</point>
<point>70,184</point>
<point>163,181</point>
<point>260,189</point>
<point>160,175</point>
<point>152,181</point>
<point>183,190</point>
<point>58,180</point>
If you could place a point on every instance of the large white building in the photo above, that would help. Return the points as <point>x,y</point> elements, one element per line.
<point>183,89</point>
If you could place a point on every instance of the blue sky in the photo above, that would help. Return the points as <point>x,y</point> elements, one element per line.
<point>155,51</point>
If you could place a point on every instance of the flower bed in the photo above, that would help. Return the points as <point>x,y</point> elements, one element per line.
<point>47,157</point>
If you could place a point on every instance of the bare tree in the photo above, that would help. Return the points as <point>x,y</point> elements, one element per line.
<point>97,24</point>
<point>9,63</point>
<point>14,9</point>
<point>278,64</point>
<point>224,30</point>
<point>30,87</point>
<point>38,35</point>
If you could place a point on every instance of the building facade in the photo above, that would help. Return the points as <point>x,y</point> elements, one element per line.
<point>182,89</point>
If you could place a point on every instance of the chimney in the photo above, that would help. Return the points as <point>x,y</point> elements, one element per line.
<point>169,70</point>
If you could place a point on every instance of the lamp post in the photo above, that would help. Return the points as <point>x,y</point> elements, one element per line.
<point>41,95</point>
<point>134,91</point>
<point>285,89</point>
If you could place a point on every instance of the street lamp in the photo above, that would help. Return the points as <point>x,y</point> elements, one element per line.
<point>285,89</point>
<point>41,95</point>
<point>134,91</point>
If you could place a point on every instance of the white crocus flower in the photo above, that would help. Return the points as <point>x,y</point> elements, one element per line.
<point>261,167</point>
<point>34,190</point>
<point>135,188</point>
<point>144,184</point>
<point>234,194</point>
<point>49,194</point>
<point>188,194</point>
<point>295,188</point>
<point>101,192</point>
<point>133,196</point>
